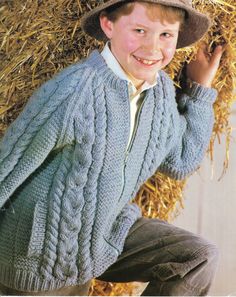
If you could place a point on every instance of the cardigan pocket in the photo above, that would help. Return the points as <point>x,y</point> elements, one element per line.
<point>36,242</point>
<point>117,234</point>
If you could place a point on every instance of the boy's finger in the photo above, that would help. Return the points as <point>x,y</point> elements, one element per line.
<point>216,55</point>
<point>202,54</point>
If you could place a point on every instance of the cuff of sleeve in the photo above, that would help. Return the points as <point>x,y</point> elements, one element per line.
<point>198,92</point>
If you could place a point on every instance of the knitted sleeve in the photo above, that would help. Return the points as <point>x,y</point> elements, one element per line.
<point>191,131</point>
<point>34,134</point>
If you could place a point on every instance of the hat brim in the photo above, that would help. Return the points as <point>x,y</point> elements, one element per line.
<point>195,26</point>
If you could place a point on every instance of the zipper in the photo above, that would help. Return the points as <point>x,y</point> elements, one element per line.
<point>130,146</point>
<point>135,129</point>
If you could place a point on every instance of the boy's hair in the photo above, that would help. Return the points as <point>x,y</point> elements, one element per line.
<point>170,13</point>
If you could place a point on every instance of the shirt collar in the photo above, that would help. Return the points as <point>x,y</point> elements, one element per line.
<point>115,66</point>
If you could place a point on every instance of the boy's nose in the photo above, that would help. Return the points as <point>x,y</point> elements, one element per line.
<point>153,51</point>
<point>152,45</point>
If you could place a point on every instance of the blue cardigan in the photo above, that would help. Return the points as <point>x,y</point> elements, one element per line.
<point>67,178</point>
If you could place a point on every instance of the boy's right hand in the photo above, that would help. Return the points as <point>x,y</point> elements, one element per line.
<point>203,69</point>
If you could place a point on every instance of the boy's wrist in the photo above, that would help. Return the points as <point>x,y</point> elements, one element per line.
<point>197,91</point>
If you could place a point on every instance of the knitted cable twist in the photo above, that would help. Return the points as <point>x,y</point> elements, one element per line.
<point>54,215</point>
<point>58,189</point>
<point>84,254</point>
<point>189,144</point>
<point>158,128</point>
<point>73,198</point>
<point>163,141</point>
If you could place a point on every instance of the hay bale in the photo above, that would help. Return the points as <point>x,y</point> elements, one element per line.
<point>38,38</point>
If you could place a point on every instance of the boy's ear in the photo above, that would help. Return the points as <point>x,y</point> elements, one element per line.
<point>106,25</point>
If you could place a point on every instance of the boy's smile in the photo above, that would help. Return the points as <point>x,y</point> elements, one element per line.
<point>141,46</point>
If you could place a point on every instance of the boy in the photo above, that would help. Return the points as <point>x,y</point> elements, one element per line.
<point>85,143</point>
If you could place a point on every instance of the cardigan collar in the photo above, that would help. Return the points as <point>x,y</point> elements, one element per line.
<point>96,61</point>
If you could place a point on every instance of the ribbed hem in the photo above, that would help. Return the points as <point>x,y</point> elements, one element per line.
<point>30,282</point>
<point>200,93</point>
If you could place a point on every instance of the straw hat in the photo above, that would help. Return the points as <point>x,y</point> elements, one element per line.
<point>195,26</point>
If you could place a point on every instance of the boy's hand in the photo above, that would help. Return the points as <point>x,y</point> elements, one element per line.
<point>203,69</point>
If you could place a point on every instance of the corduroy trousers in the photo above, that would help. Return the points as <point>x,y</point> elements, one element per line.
<point>173,261</point>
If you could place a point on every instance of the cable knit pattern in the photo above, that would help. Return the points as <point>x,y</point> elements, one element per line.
<point>67,179</point>
<point>84,255</point>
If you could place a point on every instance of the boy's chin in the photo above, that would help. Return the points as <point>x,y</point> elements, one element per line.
<point>139,78</point>
<point>149,79</point>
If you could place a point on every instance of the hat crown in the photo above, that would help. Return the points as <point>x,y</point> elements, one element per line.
<point>185,2</point>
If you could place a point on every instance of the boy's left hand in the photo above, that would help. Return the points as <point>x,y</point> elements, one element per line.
<point>203,69</point>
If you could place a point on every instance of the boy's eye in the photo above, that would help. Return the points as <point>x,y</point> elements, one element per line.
<point>166,35</point>
<point>141,31</point>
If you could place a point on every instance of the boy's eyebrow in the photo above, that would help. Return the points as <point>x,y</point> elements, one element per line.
<point>166,29</point>
<point>140,25</point>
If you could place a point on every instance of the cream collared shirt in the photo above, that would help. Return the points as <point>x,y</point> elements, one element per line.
<point>136,96</point>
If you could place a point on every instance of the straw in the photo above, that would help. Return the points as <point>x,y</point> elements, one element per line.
<point>38,38</point>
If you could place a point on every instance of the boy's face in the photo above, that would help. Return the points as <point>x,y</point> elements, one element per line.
<point>141,46</point>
